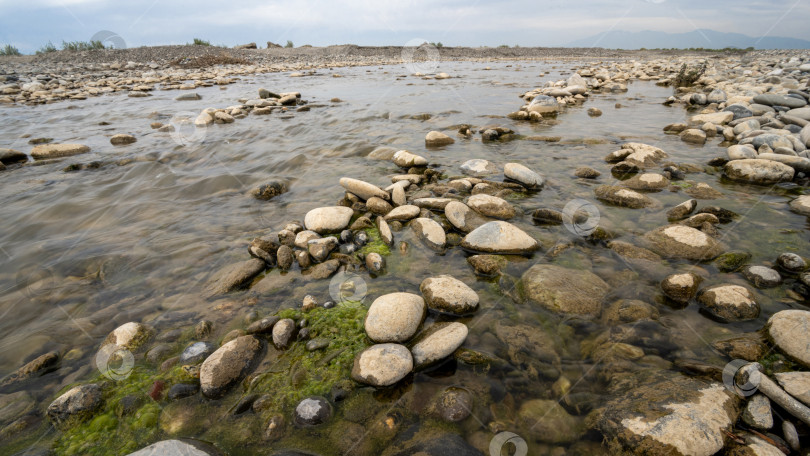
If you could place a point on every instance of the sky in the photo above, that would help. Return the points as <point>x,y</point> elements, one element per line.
<point>29,24</point>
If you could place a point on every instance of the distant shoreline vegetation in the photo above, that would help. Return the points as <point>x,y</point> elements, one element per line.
<point>71,46</point>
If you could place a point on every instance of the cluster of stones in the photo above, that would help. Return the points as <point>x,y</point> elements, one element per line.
<point>760,112</point>
<point>394,319</point>
<point>266,103</point>
<point>552,98</point>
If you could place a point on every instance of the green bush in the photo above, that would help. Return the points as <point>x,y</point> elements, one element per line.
<point>199,42</point>
<point>9,50</point>
<point>48,48</point>
<point>504,46</point>
<point>82,45</point>
<point>687,77</point>
<point>289,44</point>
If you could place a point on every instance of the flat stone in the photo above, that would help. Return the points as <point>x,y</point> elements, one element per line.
<point>491,206</point>
<point>762,276</point>
<point>741,152</point>
<point>385,231</point>
<point>430,232</point>
<point>233,277</point>
<point>47,151</point>
<point>478,167</point>
<point>436,204</point>
<point>122,139</point>
<point>77,404</point>
<point>799,164</point>
<point>395,317</point>
<point>462,217</point>
<point>680,415</point>
<point>523,175</point>
<point>757,171</point>
<point>499,237</point>
<point>441,341</point>
<point>563,290</point>
<point>772,99</point>
<point>437,139</point>
<point>678,241</point>
<point>647,181</point>
<point>693,136</point>
<point>130,335</point>
<point>363,189</point>
<point>405,159</point>
<point>730,302</point>
<point>328,219</point>
<point>229,365</point>
<point>717,118</point>
<point>185,447</point>
<point>623,197</point>
<point>547,421</point>
<point>757,412</point>
<point>797,384</point>
<point>8,156</point>
<point>447,294</point>
<point>403,213</point>
<point>382,364</point>
<point>801,205</point>
<point>790,332</point>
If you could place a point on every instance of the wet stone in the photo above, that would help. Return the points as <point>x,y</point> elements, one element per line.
<point>679,241</point>
<point>789,330</point>
<point>681,287</point>
<point>623,197</point>
<point>449,295</point>
<point>791,263</point>
<point>757,412</point>
<point>77,404</point>
<point>563,290</point>
<point>499,237</point>
<point>454,404</point>
<point>441,341</point>
<point>197,352</point>
<point>312,411</point>
<point>382,364</point>
<point>228,365</point>
<point>730,302</point>
<point>395,317</point>
<point>283,333</point>
<point>181,390</point>
<point>762,277</point>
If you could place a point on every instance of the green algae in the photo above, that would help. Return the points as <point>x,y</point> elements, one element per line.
<point>112,432</point>
<point>375,243</point>
<point>299,373</point>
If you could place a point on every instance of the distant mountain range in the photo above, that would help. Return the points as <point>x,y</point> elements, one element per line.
<point>700,38</point>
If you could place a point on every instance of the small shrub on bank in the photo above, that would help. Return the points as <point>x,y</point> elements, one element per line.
<point>47,49</point>
<point>199,42</point>
<point>289,44</point>
<point>687,77</point>
<point>82,45</point>
<point>9,50</point>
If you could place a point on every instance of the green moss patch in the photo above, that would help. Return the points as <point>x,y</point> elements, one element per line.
<point>375,243</point>
<point>299,373</point>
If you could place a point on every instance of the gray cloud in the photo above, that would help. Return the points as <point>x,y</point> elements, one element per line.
<point>30,24</point>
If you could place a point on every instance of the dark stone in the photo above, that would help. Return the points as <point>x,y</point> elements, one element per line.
<point>181,390</point>
<point>197,352</point>
<point>263,326</point>
<point>312,411</point>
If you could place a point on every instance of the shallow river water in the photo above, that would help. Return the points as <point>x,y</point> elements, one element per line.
<point>83,252</point>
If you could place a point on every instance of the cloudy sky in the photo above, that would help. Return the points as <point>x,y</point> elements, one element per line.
<point>28,24</point>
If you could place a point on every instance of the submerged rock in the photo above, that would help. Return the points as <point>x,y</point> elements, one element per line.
<point>491,206</point>
<point>678,415</point>
<point>312,411</point>
<point>547,421</point>
<point>623,197</point>
<point>437,139</point>
<point>462,217</point>
<point>681,287</point>
<point>678,241</point>
<point>233,277</point>
<point>430,232</point>
<point>730,302</point>
<point>523,175</point>
<point>563,290</point>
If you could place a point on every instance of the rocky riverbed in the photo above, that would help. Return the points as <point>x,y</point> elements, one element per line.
<point>612,263</point>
